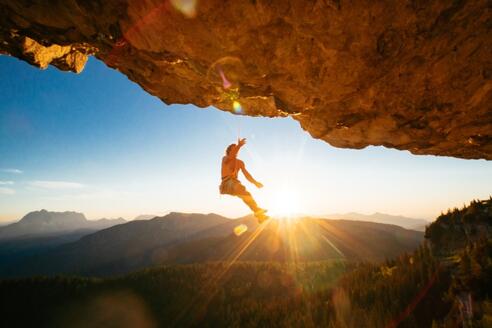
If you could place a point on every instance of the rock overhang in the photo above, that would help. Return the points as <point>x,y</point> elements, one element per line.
<point>411,75</point>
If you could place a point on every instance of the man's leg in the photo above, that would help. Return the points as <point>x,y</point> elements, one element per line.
<point>241,192</point>
<point>249,200</point>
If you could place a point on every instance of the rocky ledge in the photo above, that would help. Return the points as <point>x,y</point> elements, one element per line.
<point>408,74</point>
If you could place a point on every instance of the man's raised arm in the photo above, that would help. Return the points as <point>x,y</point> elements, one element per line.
<point>240,143</point>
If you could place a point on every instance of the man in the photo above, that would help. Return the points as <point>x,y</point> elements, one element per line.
<point>230,184</point>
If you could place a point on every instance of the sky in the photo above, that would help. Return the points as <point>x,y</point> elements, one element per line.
<point>97,143</point>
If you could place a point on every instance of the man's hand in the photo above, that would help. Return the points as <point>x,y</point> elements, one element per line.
<point>258,184</point>
<point>241,142</point>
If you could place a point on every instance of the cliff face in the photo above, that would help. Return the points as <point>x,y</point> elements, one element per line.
<point>414,74</point>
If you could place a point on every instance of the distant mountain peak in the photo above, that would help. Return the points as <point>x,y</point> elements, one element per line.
<point>378,217</point>
<point>145,217</point>
<point>45,222</point>
<point>378,213</point>
<point>44,215</point>
<point>120,219</point>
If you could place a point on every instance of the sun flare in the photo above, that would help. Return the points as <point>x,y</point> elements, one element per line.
<point>284,203</point>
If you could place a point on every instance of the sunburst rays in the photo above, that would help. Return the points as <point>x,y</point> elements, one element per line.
<point>348,242</point>
<point>299,240</point>
<point>210,287</point>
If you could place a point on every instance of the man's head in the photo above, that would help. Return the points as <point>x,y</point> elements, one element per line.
<point>230,148</point>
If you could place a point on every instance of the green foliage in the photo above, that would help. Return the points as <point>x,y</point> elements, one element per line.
<point>464,237</point>
<point>214,294</point>
<point>458,227</point>
<point>328,294</point>
<point>397,293</point>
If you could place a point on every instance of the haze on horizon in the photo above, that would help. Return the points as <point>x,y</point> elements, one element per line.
<point>97,143</point>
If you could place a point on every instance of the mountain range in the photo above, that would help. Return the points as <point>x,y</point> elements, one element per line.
<point>445,282</point>
<point>46,223</point>
<point>402,221</point>
<point>194,238</point>
<point>43,230</point>
<point>145,217</point>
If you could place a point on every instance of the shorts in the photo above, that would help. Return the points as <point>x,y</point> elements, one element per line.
<point>231,186</point>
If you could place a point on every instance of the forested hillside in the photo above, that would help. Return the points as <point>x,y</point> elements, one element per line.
<point>462,240</point>
<point>220,295</point>
<point>458,228</point>
<point>423,288</point>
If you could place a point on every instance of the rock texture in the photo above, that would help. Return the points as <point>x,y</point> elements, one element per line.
<point>408,74</point>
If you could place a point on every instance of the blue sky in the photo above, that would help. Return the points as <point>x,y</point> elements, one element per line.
<point>97,143</point>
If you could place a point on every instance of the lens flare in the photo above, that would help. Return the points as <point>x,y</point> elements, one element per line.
<point>226,74</point>
<point>237,107</point>
<point>225,82</point>
<point>186,7</point>
<point>240,229</point>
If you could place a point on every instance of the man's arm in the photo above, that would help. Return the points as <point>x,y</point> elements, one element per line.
<point>248,176</point>
<point>240,143</point>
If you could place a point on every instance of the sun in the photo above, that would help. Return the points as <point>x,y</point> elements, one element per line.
<point>284,203</point>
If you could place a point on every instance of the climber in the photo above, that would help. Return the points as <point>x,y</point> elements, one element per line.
<point>232,186</point>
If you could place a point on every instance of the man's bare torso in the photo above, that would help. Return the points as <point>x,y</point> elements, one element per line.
<point>230,167</point>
